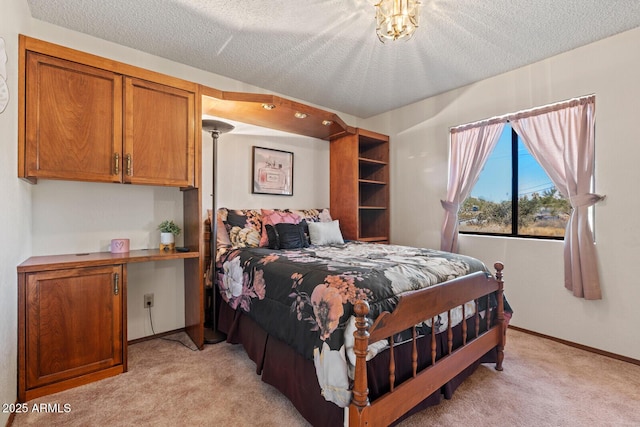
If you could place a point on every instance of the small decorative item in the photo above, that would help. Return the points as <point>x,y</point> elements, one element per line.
<point>272,171</point>
<point>119,246</point>
<point>168,232</point>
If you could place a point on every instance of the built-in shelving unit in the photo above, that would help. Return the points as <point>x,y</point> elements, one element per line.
<point>360,185</point>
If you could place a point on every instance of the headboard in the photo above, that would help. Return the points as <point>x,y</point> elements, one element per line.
<point>243,227</point>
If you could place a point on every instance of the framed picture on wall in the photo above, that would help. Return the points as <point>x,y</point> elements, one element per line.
<point>272,171</point>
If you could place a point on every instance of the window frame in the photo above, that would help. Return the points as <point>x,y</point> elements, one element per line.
<point>514,200</point>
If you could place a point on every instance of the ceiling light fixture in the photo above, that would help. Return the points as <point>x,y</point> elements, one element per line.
<point>300,115</point>
<point>396,19</point>
<point>268,106</point>
<point>327,122</point>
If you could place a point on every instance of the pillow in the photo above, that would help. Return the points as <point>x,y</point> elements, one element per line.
<point>325,233</point>
<point>243,226</point>
<point>313,215</point>
<point>273,217</point>
<point>305,229</point>
<point>286,236</point>
<point>272,235</point>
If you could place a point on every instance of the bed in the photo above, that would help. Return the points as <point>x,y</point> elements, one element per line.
<point>352,332</point>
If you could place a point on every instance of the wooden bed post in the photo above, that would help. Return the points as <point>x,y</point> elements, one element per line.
<point>500,316</point>
<point>360,396</point>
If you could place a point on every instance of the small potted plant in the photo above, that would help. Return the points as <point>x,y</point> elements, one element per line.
<point>168,232</point>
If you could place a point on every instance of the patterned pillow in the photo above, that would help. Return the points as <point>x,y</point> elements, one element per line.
<point>222,236</point>
<point>313,215</point>
<point>244,226</point>
<point>273,217</point>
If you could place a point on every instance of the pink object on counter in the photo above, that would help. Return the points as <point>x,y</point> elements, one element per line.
<point>119,246</point>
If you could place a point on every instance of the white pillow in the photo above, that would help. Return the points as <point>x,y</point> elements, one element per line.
<point>325,233</point>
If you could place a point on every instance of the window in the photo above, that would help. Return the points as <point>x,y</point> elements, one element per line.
<point>514,196</point>
<point>562,136</point>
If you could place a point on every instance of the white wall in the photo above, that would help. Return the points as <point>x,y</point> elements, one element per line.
<point>15,214</point>
<point>310,169</point>
<point>534,269</point>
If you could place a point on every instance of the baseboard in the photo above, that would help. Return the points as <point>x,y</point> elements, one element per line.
<point>153,337</point>
<point>579,346</point>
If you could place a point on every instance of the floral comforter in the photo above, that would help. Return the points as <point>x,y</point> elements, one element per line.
<point>305,296</point>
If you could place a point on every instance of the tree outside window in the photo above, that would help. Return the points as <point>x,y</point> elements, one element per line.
<point>514,196</point>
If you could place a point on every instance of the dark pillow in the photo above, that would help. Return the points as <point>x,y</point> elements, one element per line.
<point>288,236</point>
<point>272,237</point>
<point>305,229</point>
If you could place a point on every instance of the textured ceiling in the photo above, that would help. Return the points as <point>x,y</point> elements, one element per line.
<point>325,52</point>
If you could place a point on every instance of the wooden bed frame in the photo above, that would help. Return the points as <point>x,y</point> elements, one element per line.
<point>413,308</point>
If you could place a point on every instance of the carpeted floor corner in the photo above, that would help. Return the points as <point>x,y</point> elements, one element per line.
<point>544,383</point>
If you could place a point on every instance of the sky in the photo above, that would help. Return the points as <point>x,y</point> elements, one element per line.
<point>494,183</point>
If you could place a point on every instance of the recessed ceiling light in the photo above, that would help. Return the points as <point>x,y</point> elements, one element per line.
<point>300,115</point>
<point>327,122</point>
<point>268,106</point>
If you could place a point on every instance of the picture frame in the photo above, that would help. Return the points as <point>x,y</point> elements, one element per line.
<point>272,171</point>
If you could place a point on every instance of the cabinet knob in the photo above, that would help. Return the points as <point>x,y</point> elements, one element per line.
<point>116,164</point>
<point>128,157</point>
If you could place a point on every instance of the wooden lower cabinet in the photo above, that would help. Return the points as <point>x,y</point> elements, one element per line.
<point>71,328</point>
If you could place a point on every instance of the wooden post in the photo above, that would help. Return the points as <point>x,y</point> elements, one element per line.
<point>360,395</point>
<point>500,316</point>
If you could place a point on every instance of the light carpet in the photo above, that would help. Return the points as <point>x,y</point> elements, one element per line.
<point>544,383</point>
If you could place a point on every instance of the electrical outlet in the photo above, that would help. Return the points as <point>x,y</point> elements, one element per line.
<point>148,300</point>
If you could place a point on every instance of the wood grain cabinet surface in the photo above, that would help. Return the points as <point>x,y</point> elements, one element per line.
<point>359,185</point>
<point>71,328</point>
<point>159,141</point>
<point>91,124</point>
<point>73,120</point>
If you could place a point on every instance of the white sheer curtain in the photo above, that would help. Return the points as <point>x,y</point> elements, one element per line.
<point>561,139</point>
<point>470,149</point>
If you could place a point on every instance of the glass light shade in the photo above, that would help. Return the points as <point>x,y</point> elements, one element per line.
<point>397,19</point>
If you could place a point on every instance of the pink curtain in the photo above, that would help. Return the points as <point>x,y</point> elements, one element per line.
<point>562,141</point>
<point>470,149</point>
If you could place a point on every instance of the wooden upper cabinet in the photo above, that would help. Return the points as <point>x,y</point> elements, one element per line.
<point>87,119</point>
<point>159,143</point>
<point>73,120</point>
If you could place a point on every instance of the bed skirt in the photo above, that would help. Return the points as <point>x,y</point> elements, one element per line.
<point>295,377</point>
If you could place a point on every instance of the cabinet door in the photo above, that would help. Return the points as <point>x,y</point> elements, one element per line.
<point>73,322</point>
<point>159,134</point>
<point>73,120</point>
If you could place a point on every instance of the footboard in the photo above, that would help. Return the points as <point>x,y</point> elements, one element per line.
<point>413,308</point>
